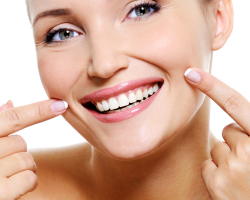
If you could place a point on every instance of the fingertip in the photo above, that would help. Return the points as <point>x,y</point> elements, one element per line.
<point>10,102</point>
<point>59,106</point>
<point>187,71</point>
<point>192,75</point>
<point>6,106</point>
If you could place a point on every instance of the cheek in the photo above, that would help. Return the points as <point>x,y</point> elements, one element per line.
<point>170,43</point>
<point>59,71</point>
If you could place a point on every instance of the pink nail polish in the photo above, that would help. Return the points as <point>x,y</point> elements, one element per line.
<point>192,75</point>
<point>59,106</point>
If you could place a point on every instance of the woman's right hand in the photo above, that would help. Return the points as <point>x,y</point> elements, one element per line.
<point>17,166</point>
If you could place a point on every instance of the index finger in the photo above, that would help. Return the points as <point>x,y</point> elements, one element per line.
<point>232,102</point>
<point>15,119</point>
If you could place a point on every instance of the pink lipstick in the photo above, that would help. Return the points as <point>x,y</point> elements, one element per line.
<point>122,101</point>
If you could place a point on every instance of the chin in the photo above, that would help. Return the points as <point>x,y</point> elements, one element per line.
<point>131,150</point>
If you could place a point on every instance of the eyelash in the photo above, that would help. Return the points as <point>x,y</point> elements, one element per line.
<point>49,35</point>
<point>155,6</point>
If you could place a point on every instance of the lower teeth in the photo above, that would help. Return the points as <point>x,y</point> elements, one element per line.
<point>123,109</point>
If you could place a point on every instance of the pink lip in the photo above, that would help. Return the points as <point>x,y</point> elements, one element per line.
<point>116,90</point>
<point>123,115</point>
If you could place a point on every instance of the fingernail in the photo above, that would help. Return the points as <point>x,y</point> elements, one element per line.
<point>59,106</point>
<point>11,102</point>
<point>192,75</point>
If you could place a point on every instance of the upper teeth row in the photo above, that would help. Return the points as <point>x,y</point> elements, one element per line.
<point>126,98</point>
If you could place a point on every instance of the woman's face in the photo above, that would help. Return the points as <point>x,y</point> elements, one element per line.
<point>102,45</point>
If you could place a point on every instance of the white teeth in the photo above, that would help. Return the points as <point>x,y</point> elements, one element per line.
<point>132,97</point>
<point>100,107</point>
<point>113,104</point>
<point>145,93</point>
<point>139,95</point>
<point>105,105</point>
<point>150,91</point>
<point>123,100</point>
<point>156,87</point>
<point>123,109</point>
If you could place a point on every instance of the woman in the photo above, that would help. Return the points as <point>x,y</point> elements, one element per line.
<point>102,58</point>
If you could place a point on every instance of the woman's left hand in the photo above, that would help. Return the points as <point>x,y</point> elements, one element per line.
<point>227,174</point>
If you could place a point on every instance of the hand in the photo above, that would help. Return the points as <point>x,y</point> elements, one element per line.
<point>17,167</point>
<point>227,174</point>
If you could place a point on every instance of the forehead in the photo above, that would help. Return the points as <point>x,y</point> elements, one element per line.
<point>100,7</point>
<point>37,6</point>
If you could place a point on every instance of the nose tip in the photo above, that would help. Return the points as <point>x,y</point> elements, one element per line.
<point>107,56</point>
<point>106,65</point>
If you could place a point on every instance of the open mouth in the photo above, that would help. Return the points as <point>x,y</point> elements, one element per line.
<point>125,100</point>
<point>122,101</point>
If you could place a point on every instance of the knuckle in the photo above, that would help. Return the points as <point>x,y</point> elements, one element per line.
<point>233,167</point>
<point>229,126</point>
<point>41,111</point>
<point>20,142</point>
<point>30,179</point>
<point>216,183</point>
<point>243,149</point>
<point>232,104</point>
<point>216,147</point>
<point>226,129</point>
<point>14,119</point>
<point>26,160</point>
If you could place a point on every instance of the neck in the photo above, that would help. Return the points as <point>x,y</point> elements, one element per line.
<point>171,172</point>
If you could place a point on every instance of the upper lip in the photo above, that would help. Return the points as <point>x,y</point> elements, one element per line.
<point>118,89</point>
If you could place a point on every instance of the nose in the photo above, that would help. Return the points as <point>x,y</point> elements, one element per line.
<point>106,56</point>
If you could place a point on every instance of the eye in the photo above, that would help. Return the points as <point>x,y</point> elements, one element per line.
<point>140,11</point>
<point>60,35</point>
<point>144,9</point>
<point>64,35</point>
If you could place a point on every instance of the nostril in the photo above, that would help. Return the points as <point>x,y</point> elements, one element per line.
<point>101,73</point>
<point>105,71</point>
<point>105,66</point>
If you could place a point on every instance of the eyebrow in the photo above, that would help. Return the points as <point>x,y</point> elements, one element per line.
<point>52,13</point>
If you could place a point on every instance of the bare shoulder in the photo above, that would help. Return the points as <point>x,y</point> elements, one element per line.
<point>60,172</point>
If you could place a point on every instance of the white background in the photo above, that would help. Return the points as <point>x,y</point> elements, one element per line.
<point>20,82</point>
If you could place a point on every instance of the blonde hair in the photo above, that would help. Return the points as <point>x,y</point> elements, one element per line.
<point>28,9</point>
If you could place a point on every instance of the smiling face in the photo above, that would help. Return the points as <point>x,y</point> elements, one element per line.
<point>96,51</point>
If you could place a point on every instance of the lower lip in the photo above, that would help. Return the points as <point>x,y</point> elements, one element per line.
<point>123,115</point>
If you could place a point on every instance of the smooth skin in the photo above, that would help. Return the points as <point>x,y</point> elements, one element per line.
<point>165,165</point>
